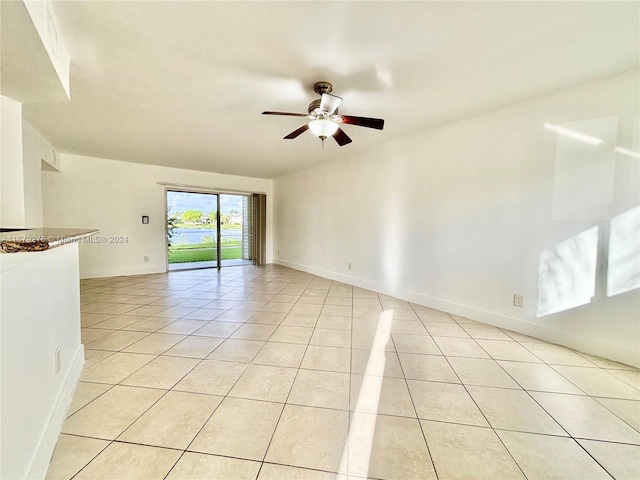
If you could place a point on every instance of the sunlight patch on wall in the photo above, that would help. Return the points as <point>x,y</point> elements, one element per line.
<point>584,169</point>
<point>627,152</point>
<point>567,274</point>
<point>623,272</point>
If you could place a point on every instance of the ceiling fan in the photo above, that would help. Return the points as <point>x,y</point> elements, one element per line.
<point>324,118</point>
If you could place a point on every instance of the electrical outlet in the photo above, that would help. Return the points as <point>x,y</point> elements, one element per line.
<point>56,360</point>
<point>518,300</point>
<point>145,258</point>
<point>278,251</point>
<point>349,266</point>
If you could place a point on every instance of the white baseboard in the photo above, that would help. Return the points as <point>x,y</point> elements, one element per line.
<point>46,446</point>
<point>583,344</point>
<point>120,272</point>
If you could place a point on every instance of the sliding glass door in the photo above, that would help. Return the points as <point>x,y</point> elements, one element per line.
<point>208,230</point>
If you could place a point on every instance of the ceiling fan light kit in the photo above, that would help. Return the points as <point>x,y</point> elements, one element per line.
<point>324,120</point>
<point>323,128</point>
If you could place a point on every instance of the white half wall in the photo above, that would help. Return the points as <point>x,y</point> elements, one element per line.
<point>112,196</point>
<point>456,218</point>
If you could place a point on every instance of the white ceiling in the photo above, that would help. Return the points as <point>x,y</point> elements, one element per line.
<point>183,83</point>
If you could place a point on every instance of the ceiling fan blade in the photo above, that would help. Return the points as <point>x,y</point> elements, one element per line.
<point>286,113</point>
<point>329,103</point>
<point>297,132</point>
<point>377,123</point>
<point>341,137</point>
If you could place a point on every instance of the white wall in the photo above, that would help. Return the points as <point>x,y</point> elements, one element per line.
<point>456,217</point>
<point>12,213</point>
<point>112,196</point>
<point>20,168</point>
<point>39,311</point>
<point>32,143</point>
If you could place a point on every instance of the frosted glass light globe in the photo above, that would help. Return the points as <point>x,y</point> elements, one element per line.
<point>323,128</point>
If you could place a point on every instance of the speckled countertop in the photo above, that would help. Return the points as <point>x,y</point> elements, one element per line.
<point>40,239</point>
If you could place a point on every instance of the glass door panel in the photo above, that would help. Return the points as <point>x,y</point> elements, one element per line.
<point>235,230</point>
<point>192,230</point>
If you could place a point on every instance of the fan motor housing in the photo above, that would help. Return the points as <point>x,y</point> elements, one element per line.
<point>316,104</point>
<point>313,105</point>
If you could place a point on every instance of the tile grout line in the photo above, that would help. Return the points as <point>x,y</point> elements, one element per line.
<point>424,436</point>
<point>242,284</point>
<point>551,416</point>
<point>484,415</point>
<point>284,405</point>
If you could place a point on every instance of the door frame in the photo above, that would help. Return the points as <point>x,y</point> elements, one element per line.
<point>187,189</point>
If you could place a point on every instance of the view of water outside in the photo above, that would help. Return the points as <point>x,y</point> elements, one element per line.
<point>192,234</point>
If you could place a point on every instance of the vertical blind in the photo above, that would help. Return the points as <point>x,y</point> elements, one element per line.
<point>259,211</point>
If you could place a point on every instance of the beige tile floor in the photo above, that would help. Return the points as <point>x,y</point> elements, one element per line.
<point>271,373</point>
